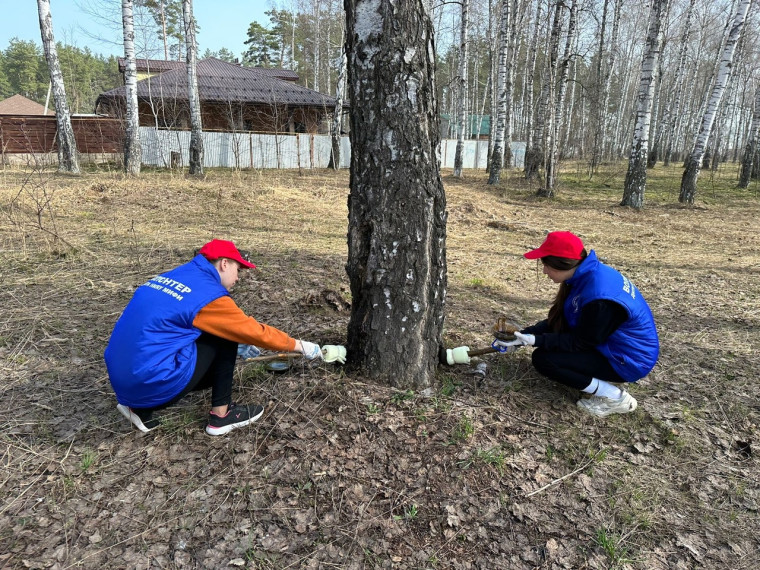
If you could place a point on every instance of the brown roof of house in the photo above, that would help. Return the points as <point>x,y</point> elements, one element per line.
<point>152,65</point>
<point>20,105</point>
<point>162,65</point>
<point>219,81</point>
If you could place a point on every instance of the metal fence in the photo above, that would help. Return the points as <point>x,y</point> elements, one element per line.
<point>170,149</point>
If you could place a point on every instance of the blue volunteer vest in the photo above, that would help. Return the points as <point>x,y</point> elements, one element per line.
<point>633,348</point>
<point>151,354</point>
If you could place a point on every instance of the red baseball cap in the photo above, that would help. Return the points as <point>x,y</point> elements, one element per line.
<point>558,244</point>
<point>217,248</point>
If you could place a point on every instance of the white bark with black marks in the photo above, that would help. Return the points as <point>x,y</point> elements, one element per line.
<point>196,125</point>
<point>560,117</point>
<point>397,205</point>
<point>750,149</point>
<point>531,159</point>
<point>68,160</point>
<point>545,130</point>
<point>694,162</point>
<point>462,81</point>
<point>132,147</point>
<point>636,177</point>
<point>673,109</point>
<point>337,122</point>
<point>497,152</point>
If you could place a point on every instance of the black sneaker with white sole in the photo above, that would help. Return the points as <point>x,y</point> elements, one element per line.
<point>144,421</point>
<point>238,415</point>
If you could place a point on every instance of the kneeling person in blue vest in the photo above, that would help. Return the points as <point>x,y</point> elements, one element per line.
<point>180,333</point>
<point>599,331</point>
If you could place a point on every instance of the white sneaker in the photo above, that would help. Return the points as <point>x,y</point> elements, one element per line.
<point>602,407</point>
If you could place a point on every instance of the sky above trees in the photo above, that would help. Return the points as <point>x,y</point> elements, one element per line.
<point>97,24</point>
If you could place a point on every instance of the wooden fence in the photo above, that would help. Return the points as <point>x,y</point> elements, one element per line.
<point>35,134</point>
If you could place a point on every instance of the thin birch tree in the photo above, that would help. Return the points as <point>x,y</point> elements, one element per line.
<point>67,145</point>
<point>497,153</point>
<point>462,81</point>
<point>545,129</point>
<point>337,122</point>
<point>559,108</point>
<point>694,162</point>
<point>397,205</point>
<point>132,147</point>
<point>636,177</point>
<point>196,125</point>
<point>676,94</point>
<point>532,157</point>
<point>750,149</point>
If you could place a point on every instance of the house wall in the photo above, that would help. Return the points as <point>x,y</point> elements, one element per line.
<point>230,117</point>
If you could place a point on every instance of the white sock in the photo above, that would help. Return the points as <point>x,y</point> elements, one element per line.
<point>603,389</point>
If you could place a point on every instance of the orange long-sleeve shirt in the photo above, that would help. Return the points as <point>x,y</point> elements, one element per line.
<point>223,318</point>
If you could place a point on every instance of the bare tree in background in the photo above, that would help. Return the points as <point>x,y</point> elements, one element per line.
<point>544,136</point>
<point>337,122</point>
<point>694,163</point>
<point>397,205</point>
<point>196,126</point>
<point>497,153</point>
<point>67,145</point>
<point>132,148</point>
<point>532,152</point>
<point>560,117</point>
<point>462,81</point>
<point>636,177</point>
<point>673,107</point>
<point>750,149</point>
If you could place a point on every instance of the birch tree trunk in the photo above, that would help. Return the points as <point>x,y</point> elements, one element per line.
<point>548,107</point>
<point>132,147</point>
<point>163,30</point>
<point>196,125</point>
<point>497,153</point>
<point>337,121</point>
<point>559,109</point>
<point>462,81</point>
<point>655,126</point>
<point>636,177</point>
<point>397,205</point>
<point>612,49</point>
<point>690,175</point>
<point>512,50</point>
<point>750,149</point>
<point>316,54</point>
<point>532,160</point>
<point>674,101</point>
<point>67,145</point>
<point>598,111</point>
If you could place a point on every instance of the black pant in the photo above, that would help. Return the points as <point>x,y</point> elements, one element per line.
<point>574,369</point>
<point>214,367</point>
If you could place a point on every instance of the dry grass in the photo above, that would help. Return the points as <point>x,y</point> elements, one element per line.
<point>343,473</point>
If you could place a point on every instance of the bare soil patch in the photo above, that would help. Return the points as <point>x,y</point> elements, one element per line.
<point>342,473</point>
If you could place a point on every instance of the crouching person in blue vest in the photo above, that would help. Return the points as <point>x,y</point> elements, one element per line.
<point>599,331</point>
<point>180,333</point>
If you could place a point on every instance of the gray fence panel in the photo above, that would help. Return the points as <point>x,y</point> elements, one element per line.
<point>261,151</point>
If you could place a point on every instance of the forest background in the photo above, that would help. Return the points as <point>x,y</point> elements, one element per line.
<point>599,63</point>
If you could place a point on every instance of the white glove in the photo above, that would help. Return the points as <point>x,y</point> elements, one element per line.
<point>334,353</point>
<point>503,346</point>
<point>246,351</point>
<point>526,339</point>
<point>310,350</point>
<point>458,355</point>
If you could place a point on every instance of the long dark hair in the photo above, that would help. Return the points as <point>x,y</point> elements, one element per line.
<point>557,320</point>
